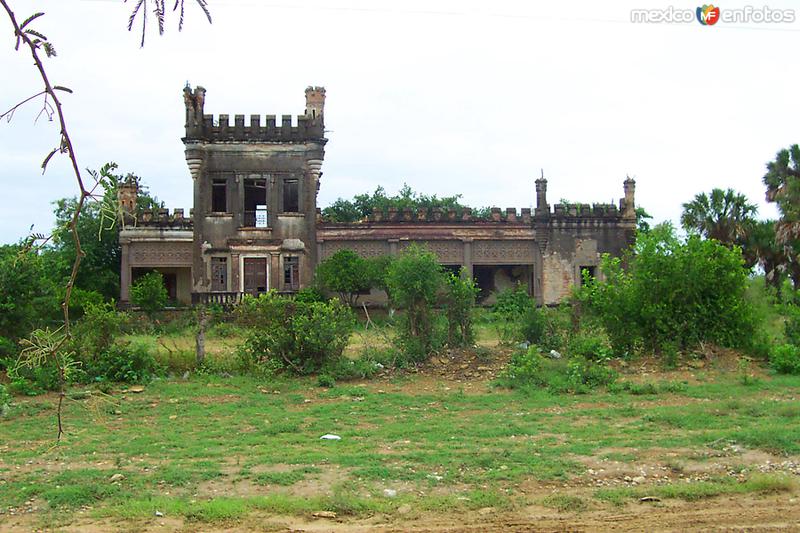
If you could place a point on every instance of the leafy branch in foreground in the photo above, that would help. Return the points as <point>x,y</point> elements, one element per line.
<point>50,345</point>
<point>160,12</point>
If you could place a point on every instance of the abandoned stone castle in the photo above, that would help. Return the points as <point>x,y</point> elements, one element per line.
<point>255,224</point>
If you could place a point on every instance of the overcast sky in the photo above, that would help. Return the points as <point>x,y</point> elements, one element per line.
<point>451,97</point>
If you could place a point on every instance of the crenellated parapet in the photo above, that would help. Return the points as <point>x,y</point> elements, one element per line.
<point>606,211</point>
<point>439,215</point>
<point>254,128</point>
<point>162,218</point>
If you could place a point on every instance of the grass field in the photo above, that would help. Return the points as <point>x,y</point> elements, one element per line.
<point>232,450</point>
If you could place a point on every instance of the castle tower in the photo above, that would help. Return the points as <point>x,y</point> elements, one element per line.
<point>255,196</point>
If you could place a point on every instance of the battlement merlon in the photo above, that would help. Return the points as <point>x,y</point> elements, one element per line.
<point>204,127</point>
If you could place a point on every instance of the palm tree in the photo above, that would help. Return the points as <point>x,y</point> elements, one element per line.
<point>783,187</point>
<point>761,249</point>
<point>722,215</point>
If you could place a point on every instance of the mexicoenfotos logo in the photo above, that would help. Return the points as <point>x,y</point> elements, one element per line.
<point>707,15</point>
<point>710,15</point>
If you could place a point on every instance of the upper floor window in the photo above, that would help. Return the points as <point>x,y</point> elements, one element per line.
<point>219,196</point>
<point>291,203</point>
<point>255,201</point>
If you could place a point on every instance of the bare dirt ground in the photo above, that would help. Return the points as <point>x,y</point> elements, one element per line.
<point>741,513</point>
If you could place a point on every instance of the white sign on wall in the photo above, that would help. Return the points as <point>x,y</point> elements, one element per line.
<point>261,216</point>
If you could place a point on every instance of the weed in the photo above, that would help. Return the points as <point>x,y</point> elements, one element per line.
<point>565,502</point>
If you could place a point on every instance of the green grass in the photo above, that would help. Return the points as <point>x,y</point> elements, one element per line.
<point>441,449</point>
<point>692,491</point>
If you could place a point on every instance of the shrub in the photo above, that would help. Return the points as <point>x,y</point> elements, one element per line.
<point>413,280</point>
<point>95,332</point>
<point>785,359</point>
<point>148,293</point>
<point>309,295</point>
<point>529,368</point>
<point>124,362</point>
<point>347,274</point>
<point>591,346</point>
<point>533,327</point>
<point>297,335</point>
<point>513,312</point>
<point>792,325</point>
<point>673,291</point>
<point>326,380</point>
<point>459,299</point>
<point>5,400</point>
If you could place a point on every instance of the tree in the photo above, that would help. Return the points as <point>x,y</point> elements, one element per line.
<point>414,280</point>
<point>347,274</point>
<point>783,187</point>
<point>762,249</point>
<point>28,297</point>
<point>98,228</point>
<point>673,294</point>
<point>459,299</point>
<point>362,205</point>
<point>642,217</point>
<point>45,345</point>
<point>149,294</point>
<point>721,215</point>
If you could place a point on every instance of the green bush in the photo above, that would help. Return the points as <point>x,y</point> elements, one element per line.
<point>792,325</point>
<point>309,295</point>
<point>785,359</point>
<point>513,314</point>
<point>578,375</point>
<point>30,381</point>
<point>148,293</point>
<point>326,380</point>
<point>673,292</point>
<point>96,331</point>
<point>346,274</point>
<point>5,400</point>
<point>124,362</point>
<point>459,299</point>
<point>533,327</point>
<point>414,279</point>
<point>590,345</point>
<point>299,336</point>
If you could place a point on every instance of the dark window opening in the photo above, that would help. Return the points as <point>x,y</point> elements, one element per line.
<point>588,273</point>
<point>219,274</point>
<point>219,197</point>
<point>255,202</point>
<point>290,196</point>
<point>291,273</point>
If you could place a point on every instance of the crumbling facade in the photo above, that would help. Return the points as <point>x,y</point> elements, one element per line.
<point>255,225</point>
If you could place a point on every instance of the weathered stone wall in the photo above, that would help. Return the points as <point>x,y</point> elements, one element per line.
<point>272,154</point>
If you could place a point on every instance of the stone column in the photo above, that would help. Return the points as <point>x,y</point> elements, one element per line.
<point>468,270</point>
<point>538,271</point>
<point>125,274</point>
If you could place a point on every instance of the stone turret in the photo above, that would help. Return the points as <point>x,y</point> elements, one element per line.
<point>128,194</point>
<point>315,102</point>
<point>628,205</point>
<point>195,102</point>
<point>541,197</point>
